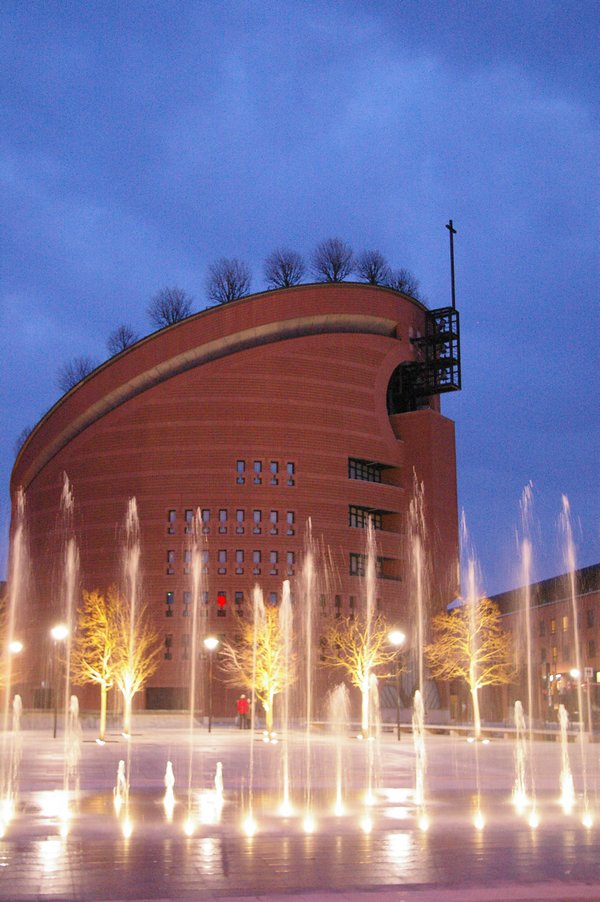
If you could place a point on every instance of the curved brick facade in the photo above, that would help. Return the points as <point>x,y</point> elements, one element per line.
<point>292,382</point>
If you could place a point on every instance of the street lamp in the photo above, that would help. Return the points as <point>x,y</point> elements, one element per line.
<point>210,643</point>
<point>397,639</point>
<point>59,633</point>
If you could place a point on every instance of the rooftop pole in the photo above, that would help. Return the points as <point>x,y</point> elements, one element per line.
<point>452,231</point>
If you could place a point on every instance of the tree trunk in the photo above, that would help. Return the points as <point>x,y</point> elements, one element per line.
<point>127,715</point>
<point>268,706</point>
<point>103,694</point>
<point>476,715</point>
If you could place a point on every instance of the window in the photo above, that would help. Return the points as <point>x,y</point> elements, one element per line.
<point>273,598</point>
<point>205,520</point>
<point>323,604</point>
<point>187,600</point>
<point>273,560</point>
<point>189,521</point>
<point>543,655</point>
<point>170,562</point>
<point>257,519</point>
<point>565,623</point>
<point>359,517</point>
<point>239,561</point>
<point>338,606</point>
<point>553,627</point>
<point>168,646</point>
<point>590,617</point>
<point>170,599</point>
<point>240,469</point>
<point>591,648</point>
<point>171,518</point>
<point>222,561</point>
<point>290,520</point>
<point>205,597</point>
<point>357,564</point>
<point>239,522</point>
<point>274,470</point>
<point>291,560</point>
<point>291,473</point>
<point>364,469</point>
<point>352,602</point>
<point>273,518</point>
<point>256,563</point>
<point>542,627</point>
<point>221,604</point>
<point>239,599</point>
<point>554,652</point>
<point>185,645</point>
<point>257,472</point>
<point>187,560</point>
<point>223,520</point>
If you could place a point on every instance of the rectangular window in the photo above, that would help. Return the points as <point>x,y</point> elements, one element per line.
<point>291,560</point>
<point>565,623</point>
<point>357,564</point>
<point>273,598</point>
<point>185,645</point>
<point>590,617</point>
<point>171,519</point>
<point>352,602</point>
<point>205,597</point>
<point>274,469</point>
<point>591,648</point>
<point>223,520</point>
<point>273,560</point>
<point>239,522</point>
<point>239,599</point>
<point>256,563</point>
<point>257,519</point>
<point>204,559</point>
<point>360,516</point>
<point>222,561</point>
<point>364,469</point>
<point>205,520</point>
<point>168,646</point>
<point>187,560</point>
<point>553,627</point>
<point>239,561</point>
<point>290,519</point>
<point>274,518</point>
<point>257,472</point>
<point>554,652</point>
<point>542,627</point>
<point>189,521</point>
<point>170,562</point>
<point>323,604</point>
<point>240,469</point>
<point>291,473</point>
<point>170,598</point>
<point>543,655</point>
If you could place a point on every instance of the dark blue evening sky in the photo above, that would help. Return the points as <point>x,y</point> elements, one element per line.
<point>141,141</point>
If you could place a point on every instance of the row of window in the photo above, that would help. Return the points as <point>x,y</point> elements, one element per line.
<point>325,604</point>
<point>271,473</point>
<point>591,651</point>
<point>367,470</point>
<point>272,521</point>
<point>239,557</point>
<point>590,619</point>
<point>385,568</point>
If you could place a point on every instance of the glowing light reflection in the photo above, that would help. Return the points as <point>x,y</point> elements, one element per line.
<point>309,824</point>
<point>424,822</point>
<point>366,824</point>
<point>189,827</point>
<point>534,819</point>
<point>249,826</point>
<point>587,820</point>
<point>127,828</point>
<point>479,820</point>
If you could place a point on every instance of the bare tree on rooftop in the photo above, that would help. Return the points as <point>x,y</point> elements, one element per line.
<point>73,371</point>
<point>373,267</point>
<point>120,339</point>
<point>228,279</point>
<point>332,260</point>
<point>168,306</point>
<point>284,268</point>
<point>404,281</point>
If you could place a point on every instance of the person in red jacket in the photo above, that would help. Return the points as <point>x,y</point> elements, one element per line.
<point>243,708</point>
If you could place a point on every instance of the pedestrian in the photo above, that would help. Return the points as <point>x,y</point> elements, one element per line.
<point>243,708</point>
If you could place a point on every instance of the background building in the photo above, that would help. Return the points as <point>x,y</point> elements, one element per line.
<point>318,401</point>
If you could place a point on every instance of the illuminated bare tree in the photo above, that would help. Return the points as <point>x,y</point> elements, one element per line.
<point>169,306</point>
<point>121,339</point>
<point>373,268</point>
<point>360,650</point>
<point>332,260</point>
<point>73,371</point>
<point>268,671</point>
<point>470,644</point>
<point>136,654</point>
<point>93,653</point>
<point>284,268</point>
<point>228,280</point>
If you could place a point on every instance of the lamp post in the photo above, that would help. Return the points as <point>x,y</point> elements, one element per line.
<point>397,639</point>
<point>210,643</point>
<point>59,633</point>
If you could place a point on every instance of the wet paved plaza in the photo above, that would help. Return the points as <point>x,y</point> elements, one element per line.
<point>376,851</point>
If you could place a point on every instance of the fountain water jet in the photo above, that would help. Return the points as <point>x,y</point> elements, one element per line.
<point>197,589</point>
<point>169,796</point>
<point>308,586</point>
<point>418,725</point>
<point>338,715</point>
<point>567,788</point>
<point>520,799</point>
<point>286,625</point>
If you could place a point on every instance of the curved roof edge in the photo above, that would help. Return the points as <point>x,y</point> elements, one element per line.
<point>194,356</point>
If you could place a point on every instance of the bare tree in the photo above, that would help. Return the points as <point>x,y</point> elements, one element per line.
<point>404,281</point>
<point>332,260</point>
<point>22,438</point>
<point>228,279</point>
<point>284,268</point>
<point>169,306</point>
<point>73,371</point>
<point>373,267</point>
<point>122,337</point>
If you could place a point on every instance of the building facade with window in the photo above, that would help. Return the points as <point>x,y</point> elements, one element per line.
<point>237,427</point>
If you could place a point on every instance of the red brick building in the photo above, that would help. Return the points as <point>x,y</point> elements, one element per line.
<point>255,416</point>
